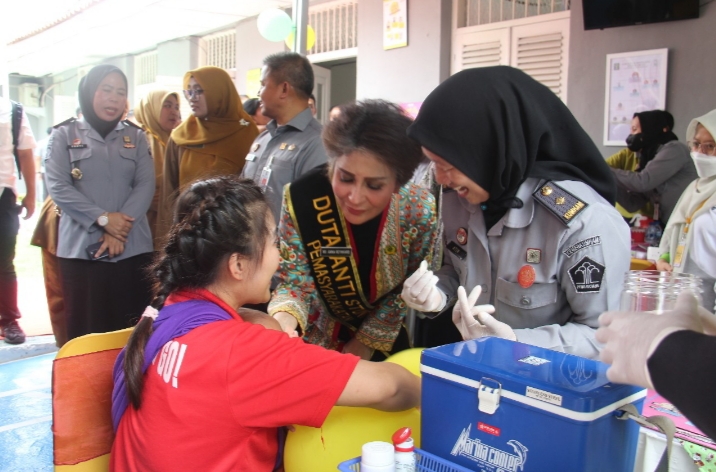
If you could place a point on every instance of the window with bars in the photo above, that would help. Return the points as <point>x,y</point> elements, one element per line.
<point>336,26</point>
<point>145,68</point>
<point>483,12</point>
<point>220,49</point>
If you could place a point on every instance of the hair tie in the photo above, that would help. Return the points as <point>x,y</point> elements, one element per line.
<point>151,312</point>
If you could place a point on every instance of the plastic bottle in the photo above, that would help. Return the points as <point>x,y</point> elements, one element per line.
<point>652,237</point>
<point>404,450</point>
<point>377,456</point>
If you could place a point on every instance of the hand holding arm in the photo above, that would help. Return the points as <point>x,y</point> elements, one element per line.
<point>289,323</point>
<point>111,244</point>
<point>420,290</point>
<point>475,321</point>
<point>630,338</point>
<point>119,225</point>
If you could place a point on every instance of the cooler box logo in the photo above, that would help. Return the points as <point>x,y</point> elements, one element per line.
<point>587,275</point>
<point>495,460</point>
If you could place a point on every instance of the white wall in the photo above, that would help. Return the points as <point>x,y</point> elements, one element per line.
<point>251,48</point>
<point>691,75</point>
<point>406,74</point>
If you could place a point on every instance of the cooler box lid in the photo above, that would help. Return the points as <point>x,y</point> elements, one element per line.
<point>546,379</point>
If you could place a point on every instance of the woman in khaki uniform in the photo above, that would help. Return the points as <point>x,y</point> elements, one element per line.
<point>159,114</point>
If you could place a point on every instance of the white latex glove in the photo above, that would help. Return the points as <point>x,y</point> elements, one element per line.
<point>476,321</point>
<point>420,290</point>
<point>631,337</point>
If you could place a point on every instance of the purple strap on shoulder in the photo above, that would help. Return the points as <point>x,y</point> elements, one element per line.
<point>173,321</point>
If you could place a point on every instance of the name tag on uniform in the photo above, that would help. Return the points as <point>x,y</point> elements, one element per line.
<point>336,251</point>
<point>76,146</point>
<point>457,250</point>
<point>251,157</point>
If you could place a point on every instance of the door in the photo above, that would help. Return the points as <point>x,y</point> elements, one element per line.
<point>322,91</point>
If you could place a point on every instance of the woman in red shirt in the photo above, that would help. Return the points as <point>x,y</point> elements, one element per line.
<point>199,388</point>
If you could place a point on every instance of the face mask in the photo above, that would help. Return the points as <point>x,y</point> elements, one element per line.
<point>635,142</point>
<point>705,165</point>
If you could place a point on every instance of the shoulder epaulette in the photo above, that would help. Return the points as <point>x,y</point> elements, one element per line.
<point>66,122</point>
<point>132,123</point>
<point>559,202</point>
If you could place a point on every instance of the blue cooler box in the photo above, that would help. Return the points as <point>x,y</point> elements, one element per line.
<point>494,405</point>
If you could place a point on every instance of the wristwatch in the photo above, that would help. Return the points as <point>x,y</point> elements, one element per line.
<point>103,219</point>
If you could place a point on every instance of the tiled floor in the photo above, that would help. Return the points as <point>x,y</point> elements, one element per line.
<point>26,415</point>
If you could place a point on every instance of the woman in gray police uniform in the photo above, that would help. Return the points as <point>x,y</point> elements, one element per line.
<point>100,174</point>
<point>530,225</point>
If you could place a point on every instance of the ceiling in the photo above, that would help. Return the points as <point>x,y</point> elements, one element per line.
<point>110,28</point>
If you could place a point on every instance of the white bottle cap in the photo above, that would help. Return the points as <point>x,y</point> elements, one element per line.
<point>378,454</point>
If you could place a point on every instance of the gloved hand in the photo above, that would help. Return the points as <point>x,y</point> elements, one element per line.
<point>476,321</point>
<point>631,337</point>
<point>420,290</point>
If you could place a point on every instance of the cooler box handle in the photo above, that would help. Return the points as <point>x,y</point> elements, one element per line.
<point>662,423</point>
<point>488,398</point>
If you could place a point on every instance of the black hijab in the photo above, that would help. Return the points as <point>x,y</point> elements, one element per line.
<point>652,133</point>
<point>498,126</point>
<point>88,87</point>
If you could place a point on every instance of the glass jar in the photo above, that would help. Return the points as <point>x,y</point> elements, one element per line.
<point>656,291</point>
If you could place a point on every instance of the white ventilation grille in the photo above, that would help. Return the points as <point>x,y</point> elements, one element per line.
<point>221,49</point>
<point>541,57</point>
<point>481,54</point>
<point>483,12</point>
<point>145,68</point>
<point>336,26</point>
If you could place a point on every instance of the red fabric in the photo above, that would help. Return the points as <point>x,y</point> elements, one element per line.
<point>236,383</point>
<point>81,406</point>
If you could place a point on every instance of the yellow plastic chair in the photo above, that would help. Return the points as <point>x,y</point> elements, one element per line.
<point>82,401</point>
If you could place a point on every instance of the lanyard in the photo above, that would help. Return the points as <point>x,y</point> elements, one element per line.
<point>681,248</point>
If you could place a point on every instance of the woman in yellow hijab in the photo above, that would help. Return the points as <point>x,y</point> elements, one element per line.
<point>159,114</point>
<point>214,140</point>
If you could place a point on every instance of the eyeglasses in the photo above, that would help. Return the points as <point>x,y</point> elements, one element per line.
<point>706,148</point>
<point>191,93</point>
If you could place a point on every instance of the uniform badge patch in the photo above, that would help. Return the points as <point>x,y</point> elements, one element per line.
<point>583,244</point>
<point>534,256</point>
<point>587,275</point>
<point>283,146</point>
<point>291,147</point>
<point>457,250</point>
<point>255,147</point>
<point>461,236</point>
<point>526,276</point>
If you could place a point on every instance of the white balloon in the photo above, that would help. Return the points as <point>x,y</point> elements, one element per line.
<point>274,24</point>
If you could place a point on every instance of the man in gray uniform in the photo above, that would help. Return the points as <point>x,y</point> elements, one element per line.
<point>291,144</point>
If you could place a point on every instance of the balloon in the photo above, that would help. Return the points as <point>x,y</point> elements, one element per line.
<point>274,24</point>
<point>310,38</point>
<point>343,433</point>
<point>346,429</point>
<point>410,359</point>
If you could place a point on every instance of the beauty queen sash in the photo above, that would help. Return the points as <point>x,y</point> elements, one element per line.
<point>327,243</point>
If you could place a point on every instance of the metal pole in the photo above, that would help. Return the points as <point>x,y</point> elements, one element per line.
<point>300,23</point>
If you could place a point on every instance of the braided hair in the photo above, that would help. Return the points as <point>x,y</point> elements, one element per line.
<point>213,219</point>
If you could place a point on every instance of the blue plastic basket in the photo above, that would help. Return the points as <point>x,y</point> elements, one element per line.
<point>424,462</point>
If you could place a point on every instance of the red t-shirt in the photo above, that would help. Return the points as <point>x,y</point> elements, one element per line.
<point>212,399</point>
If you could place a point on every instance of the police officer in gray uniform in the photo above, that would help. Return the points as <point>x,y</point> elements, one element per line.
<point>291,144</point>
<point>101,175</point>
<point>531,232</point>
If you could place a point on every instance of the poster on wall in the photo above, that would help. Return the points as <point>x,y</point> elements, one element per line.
<point>636,82</point>
<point>395,24</point>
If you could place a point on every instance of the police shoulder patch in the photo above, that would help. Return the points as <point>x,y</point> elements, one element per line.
<point>587,275</point>
<point>66,122</point>
<point>559,202</point>
<point>132,124</point>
